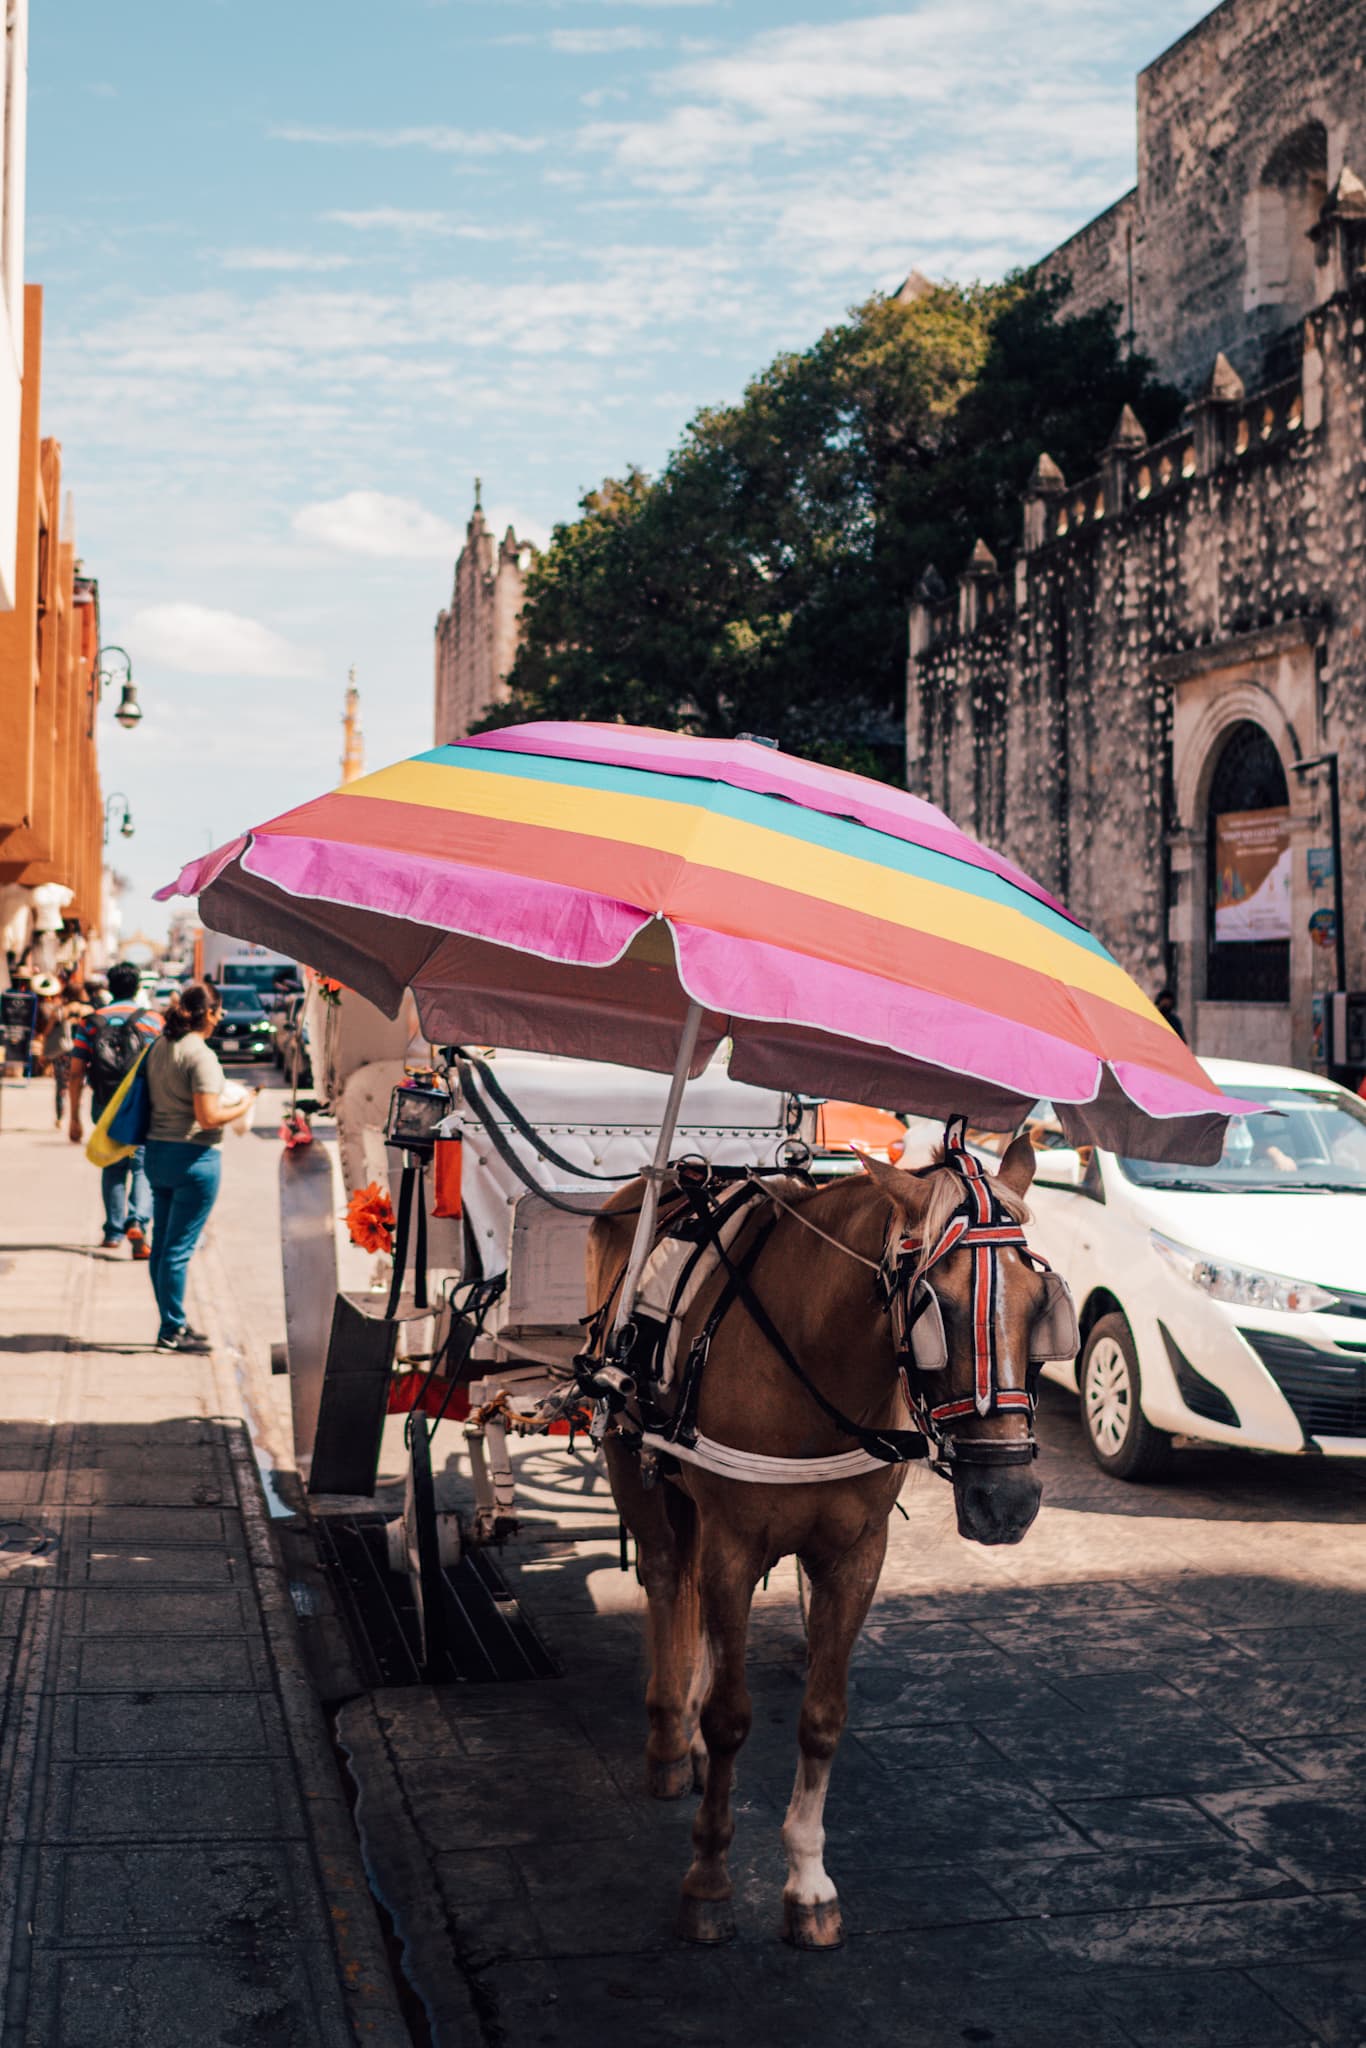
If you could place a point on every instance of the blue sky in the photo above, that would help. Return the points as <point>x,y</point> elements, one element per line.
<point>311,267</point>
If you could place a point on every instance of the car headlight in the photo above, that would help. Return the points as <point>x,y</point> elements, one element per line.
<point>1245,1285</point>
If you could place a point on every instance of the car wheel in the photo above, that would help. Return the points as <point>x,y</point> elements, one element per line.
<point>1118,1434</point>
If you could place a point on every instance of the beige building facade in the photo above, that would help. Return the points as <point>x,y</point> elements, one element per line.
<point>477,634</point>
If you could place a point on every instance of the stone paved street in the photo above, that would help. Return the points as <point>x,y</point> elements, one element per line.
<point>1101,1789</point>
<point>177,1864</point>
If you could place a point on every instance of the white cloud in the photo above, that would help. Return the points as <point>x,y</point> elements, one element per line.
<point>416,224</point>
<point>204,642</point>
<point>444,141</point>
<point>280,259</point>
<point>373,523</point>
<point>396,220</point>
<point>794,87</point>
<point>599,42</point>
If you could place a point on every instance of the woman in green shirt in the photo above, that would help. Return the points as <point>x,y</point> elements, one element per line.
<point>185,1084</point>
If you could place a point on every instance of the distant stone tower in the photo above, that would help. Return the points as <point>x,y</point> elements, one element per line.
<point>477,636</point>
<point>353,739</point>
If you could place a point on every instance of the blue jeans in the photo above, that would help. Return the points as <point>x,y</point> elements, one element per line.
<point>122,1207</point>
<point>184,1181</point>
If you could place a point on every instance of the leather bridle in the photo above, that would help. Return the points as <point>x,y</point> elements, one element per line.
<point>983,1227</point>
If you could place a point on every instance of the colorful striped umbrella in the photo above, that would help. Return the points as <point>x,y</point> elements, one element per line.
<point>587,889</point>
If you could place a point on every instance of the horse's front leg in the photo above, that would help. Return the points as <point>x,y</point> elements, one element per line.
<point>663,1523</point>
<point>729,1572</point>
<point>841,1593</point>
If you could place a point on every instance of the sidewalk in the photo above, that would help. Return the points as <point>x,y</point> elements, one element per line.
<point>177,1860</point>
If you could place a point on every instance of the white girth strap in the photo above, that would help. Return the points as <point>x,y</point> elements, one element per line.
<point>750,1465</point>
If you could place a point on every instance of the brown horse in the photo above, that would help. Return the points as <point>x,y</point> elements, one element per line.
<point>704,1541</point>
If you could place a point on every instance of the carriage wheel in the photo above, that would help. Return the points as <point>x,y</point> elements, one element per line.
<point>422,1543</point>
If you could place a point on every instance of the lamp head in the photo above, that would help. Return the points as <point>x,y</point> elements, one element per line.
<point>129,712</point>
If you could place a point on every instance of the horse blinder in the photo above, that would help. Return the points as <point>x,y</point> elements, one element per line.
<point>1055,1332</point>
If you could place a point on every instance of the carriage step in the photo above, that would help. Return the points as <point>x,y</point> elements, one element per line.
<point>485,1639</point>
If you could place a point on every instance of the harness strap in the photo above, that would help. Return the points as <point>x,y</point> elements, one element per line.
<point>683,1425</point>
<point>410,1184</point>
<point>755,1467</point>
<point>889,1446</point>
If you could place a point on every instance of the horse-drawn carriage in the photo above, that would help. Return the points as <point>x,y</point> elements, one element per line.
<point>533,1143</point>
<point>644,899</point>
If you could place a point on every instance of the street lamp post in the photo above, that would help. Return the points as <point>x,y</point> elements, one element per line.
<point>129,710</point>
<point>124,815</point>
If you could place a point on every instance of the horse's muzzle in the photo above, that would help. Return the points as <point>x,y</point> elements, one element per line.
<point>996,1506</point>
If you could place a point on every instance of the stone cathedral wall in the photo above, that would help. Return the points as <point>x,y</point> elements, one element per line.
<point>1070,711</point>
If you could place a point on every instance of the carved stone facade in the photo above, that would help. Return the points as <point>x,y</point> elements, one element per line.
<point>1075,710</point>
<point>1180,629</point>
<point>477,636</point>
<point>1244,127</point>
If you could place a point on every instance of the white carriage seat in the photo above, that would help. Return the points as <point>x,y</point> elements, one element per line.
<point>605,1118</point>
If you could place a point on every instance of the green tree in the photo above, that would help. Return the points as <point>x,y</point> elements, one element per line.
<point>760,582</point>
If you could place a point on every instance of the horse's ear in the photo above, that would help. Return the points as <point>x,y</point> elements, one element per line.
<point>1017,1167</point>
<point>905,1190</point>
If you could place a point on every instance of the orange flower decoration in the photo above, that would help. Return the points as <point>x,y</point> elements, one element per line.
<point>370,1218</point>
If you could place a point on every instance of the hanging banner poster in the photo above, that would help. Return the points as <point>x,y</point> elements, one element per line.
<point>1252,876</point>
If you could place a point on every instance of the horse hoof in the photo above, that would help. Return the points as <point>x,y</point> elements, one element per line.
<point>669,1780</point>
<point>706,1920</point>
<point>818,1926</point>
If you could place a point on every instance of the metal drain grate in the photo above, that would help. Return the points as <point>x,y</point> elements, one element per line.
<point>484,1637</point>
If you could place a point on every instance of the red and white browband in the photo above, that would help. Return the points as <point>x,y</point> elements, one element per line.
<point>980,1225</point>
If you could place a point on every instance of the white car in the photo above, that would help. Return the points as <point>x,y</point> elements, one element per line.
<point>1227,1302</point>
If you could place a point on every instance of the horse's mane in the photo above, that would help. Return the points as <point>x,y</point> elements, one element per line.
<point>947,1190</point>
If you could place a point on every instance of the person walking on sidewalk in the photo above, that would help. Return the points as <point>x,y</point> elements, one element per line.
<point>54,1040</point>
<point>104,1046</point>
<point>184,1164</point>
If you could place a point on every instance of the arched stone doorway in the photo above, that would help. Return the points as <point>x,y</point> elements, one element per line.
<point>1238,724</point>
<point>1248,915</point>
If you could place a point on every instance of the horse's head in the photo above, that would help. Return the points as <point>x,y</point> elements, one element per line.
<point>974,1390</point>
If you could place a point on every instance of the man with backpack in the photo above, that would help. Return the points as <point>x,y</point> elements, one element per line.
<point>105,1045</point>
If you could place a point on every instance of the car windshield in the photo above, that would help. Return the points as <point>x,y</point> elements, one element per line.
<point>1302,1138</point>
<point>242,1002</point>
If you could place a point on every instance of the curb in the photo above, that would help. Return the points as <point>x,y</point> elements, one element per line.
<point>367,1987</point>
<point>404,1876</point>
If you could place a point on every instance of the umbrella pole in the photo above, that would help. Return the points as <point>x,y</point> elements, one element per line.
<point>654,1173</point>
